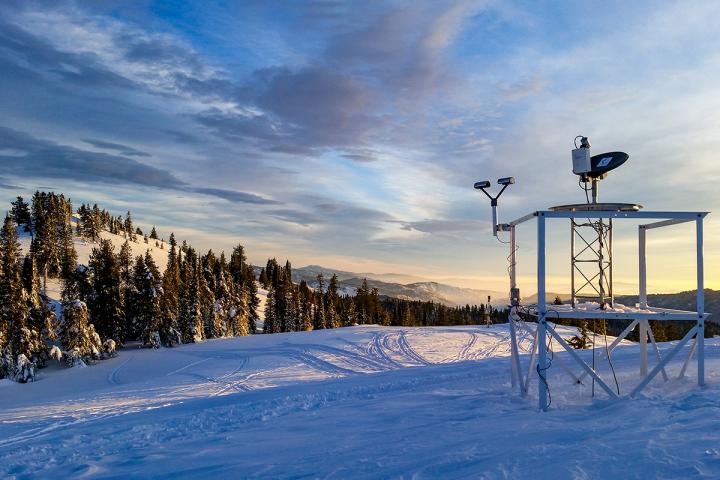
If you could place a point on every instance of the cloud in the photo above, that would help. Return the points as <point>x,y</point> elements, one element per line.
<point>442,226</point>
<point>49,159</point>
<point>33,157</point>
<point>122,149</point>
<point>234,196</point>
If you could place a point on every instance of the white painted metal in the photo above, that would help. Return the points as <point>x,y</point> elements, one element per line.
<point>700,300</point>
<point>666,223</point>
<point>615,343</point>
<point>643,347</point>
<point>542,322</point>
<point>582,363</point>
<point>689,357</point>
<point>640,316</point>
<point>532,364</point>
<point>664,362</point>
<point>642,296</point>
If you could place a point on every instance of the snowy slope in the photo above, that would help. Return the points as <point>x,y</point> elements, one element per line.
<point>84,249</point>
<point>360,402</point>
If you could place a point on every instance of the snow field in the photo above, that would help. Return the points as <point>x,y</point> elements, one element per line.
<point>359,402</point>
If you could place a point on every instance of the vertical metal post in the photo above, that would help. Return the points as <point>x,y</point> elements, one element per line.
<point>610,258</point>
<point>572,262</point>
<point>642,294</point>
<point>514,353</point>
<point>642,299</point>
<point>642,326</point>
<point>542,313</point>
<point>700,302</point>
<point>513,249</point>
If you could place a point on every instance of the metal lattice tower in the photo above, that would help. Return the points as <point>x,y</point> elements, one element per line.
<point>591,261</point>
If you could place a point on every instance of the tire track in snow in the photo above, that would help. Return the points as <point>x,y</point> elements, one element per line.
<point>408,351</point>
<point>463,355</point>
<point>192,364</point>
<point>349,357</point>
<point>376,349</point>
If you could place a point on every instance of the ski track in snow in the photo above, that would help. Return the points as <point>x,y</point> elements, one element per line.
<point>114,378</point>
<point>361,402</point>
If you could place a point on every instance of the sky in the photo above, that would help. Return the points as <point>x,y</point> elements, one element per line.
<point>349,134</point>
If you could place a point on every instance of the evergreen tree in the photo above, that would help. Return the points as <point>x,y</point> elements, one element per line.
<point>105,304</point>
<point>126,264</point>
<point>79,338</point>
<point>68,254</point>
<point>128,226</point>
<point>271,322</point>
<point>169,308</point>
<point>147,288</point>
<point>41,320</point>
<point>90,223</point>
<point>362,303</point>
<point>153,233</point>
<point>20,213</point>
<point>206,305</point>
<point>13,306</point>
<point>190,320</point>
<point>332,319</point>
<point>253,301</point>
<point>263,278</point>
<point>305,306</point>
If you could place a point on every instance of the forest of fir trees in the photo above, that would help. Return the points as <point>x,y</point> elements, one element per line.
<point>117,298</point>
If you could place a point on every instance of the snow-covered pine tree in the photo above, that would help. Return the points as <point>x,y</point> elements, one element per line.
<point>206,303</point>
<point>168,330</point>
<point>190,321</point>
<point>41,322</point>
<point>79,339</point>
<point>147,288</point>
<point>105,304</point>
<point>13,304</point>
<point>222,326</point>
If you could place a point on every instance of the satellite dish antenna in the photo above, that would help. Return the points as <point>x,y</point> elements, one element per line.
<point>595,168</point>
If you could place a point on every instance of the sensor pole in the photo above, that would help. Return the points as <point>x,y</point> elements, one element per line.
<point>595,185</point>
<point>505,182</point>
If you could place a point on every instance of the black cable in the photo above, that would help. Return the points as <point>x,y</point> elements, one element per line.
<point>543,375</point>
<point>607,353</point>
<point>593,356</point>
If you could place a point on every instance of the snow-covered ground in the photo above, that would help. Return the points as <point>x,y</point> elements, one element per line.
<point>359,402</point>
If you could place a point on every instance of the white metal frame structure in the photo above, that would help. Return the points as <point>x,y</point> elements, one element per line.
<point>638,317</point>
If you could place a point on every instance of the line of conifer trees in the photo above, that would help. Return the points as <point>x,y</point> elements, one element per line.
<point>116,298</point>
<point>113,299</point>
<point>294,307</point>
